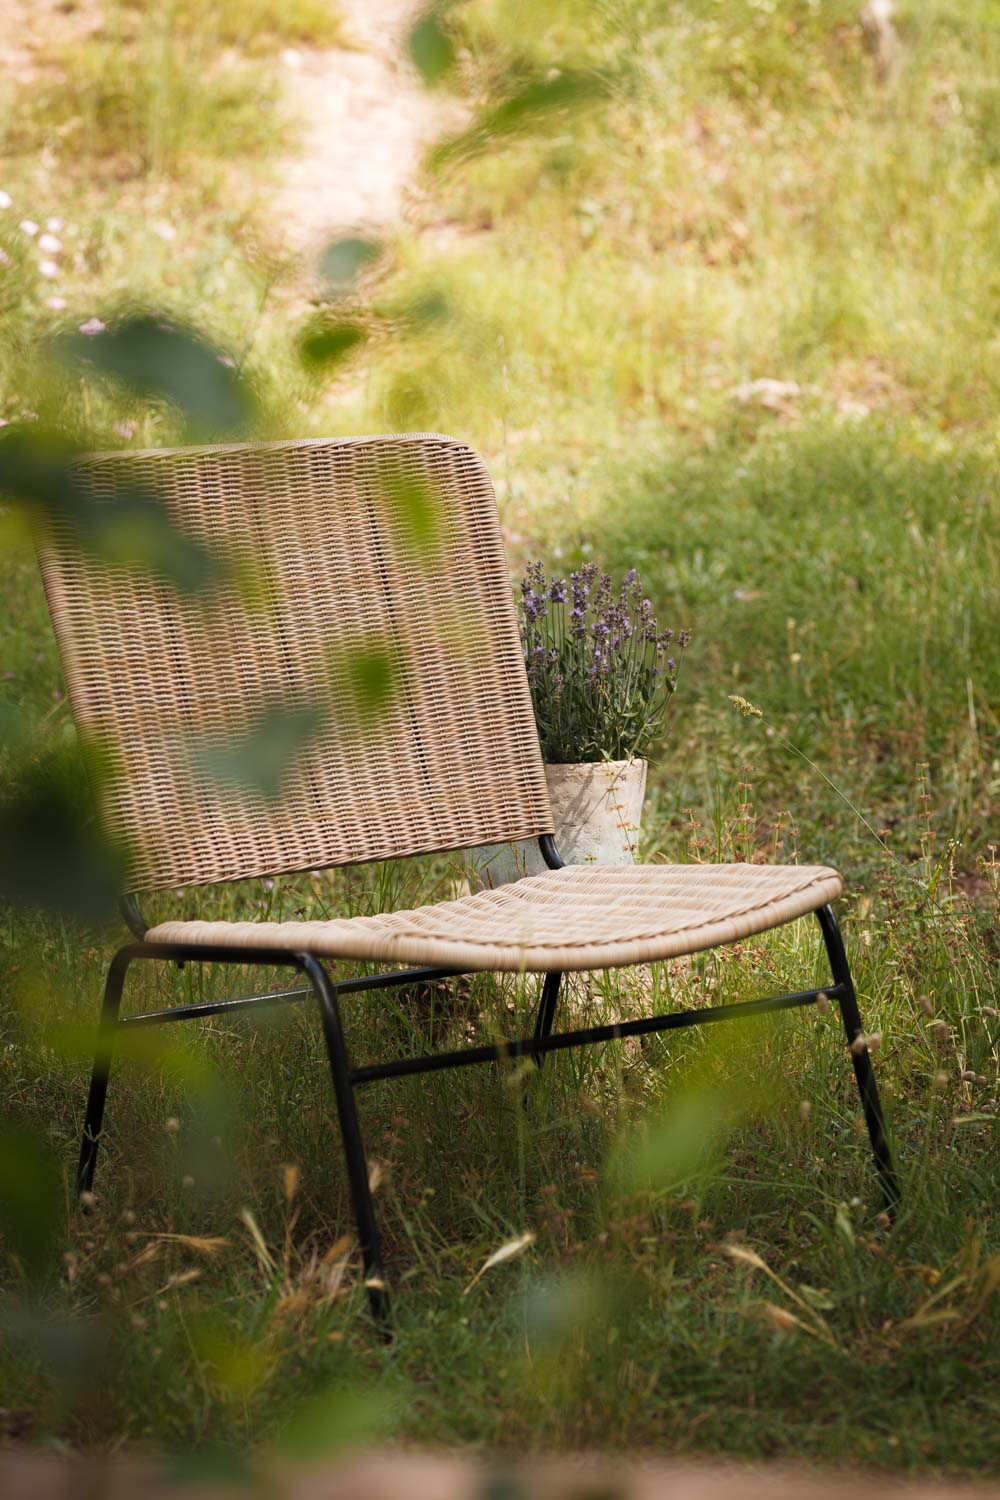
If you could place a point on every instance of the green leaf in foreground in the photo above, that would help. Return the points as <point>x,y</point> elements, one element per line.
<point>431,48</point>
<point>155,359</point>
<point>132,530</point>
<point>337,1419</point>
<point>259,760</point>
<point>526,108</point>
<point>342,262</point>
<point>372,677</point>
<point>325,343</point>
<point>30,1197</point>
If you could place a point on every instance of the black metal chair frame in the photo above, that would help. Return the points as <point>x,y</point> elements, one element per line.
<point>346,1077</point>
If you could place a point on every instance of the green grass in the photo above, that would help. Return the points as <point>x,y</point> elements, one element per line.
<point>750,204</point>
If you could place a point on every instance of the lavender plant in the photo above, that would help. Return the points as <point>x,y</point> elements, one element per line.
<point>598,665</point>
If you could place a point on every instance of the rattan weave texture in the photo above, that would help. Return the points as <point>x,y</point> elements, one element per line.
<point>328,570</point>
<point>580,917</point>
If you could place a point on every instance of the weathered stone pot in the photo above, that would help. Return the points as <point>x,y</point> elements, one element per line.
<point>597,808</point>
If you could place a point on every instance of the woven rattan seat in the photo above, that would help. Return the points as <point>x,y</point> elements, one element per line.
<point>580,917</point>
<point>332,556</point>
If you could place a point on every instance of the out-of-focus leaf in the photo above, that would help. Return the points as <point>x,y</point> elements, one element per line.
<point>345,1417</point>
<point>526,108</point>
<point>415,511</point>
<point>153,358</point>
<point>415,314</point>
<point>325,343</point>
<point>54,857</point>
<point>679,1145</point>
<point>372,675</point>
<point>431,48</point>
<point>343,261</point>
<point>259,760</point>
<point>30,1197</point>
<point>132,530</point>
<point>70,1349</point>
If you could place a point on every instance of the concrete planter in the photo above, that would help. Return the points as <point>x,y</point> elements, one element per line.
<point>597,807</point>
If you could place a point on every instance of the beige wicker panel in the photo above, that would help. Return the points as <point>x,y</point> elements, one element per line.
<point>322,565</point>
<point>581,917</point>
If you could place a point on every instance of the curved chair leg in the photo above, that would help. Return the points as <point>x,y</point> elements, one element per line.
<point>94,1117</point>
<point>350,1129</point>
<point>546,1012</point>
<point>863,1072</point>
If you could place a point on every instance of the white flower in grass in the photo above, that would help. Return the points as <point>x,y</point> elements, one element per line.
<point>56,303</point>
<point>5,199</point>
<point>124,429</point>
<point>165,231</point>
<point>5,260</point>
<point>28,226</point>
<point>55,224</point>
<point>93,325</point>
<point>50,243</point>
<point>48,268</point>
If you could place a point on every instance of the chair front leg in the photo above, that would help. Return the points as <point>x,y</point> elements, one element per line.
<point>863,1071</point>
<point>350,1129</point>
<point>546,1011</point>
<point>101,1072</point>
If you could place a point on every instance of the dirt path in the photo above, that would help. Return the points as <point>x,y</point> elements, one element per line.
<point>368,118</point>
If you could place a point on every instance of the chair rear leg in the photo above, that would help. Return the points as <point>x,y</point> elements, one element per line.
<point>94,1118</point>
<point>863,1071</point>
<point>350,1129</point>
<point>546,1012</point>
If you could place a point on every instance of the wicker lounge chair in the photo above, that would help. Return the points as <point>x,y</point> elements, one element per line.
<point>451,759</point>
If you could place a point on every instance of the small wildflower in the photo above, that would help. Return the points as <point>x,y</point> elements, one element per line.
<point>883,1220</point>
<point>745,707</point>
<point>940,1080</point>
<point>5,199</point>
<point>228,361</point>
<point>55,223</point>
<point>941,1032</point>
<point>805,1110</point>
<point>56,303</point>
<point>172,1125</point>
<point>49,243</point>
<point>165,231</point>
<point>875,1042</point>
<point>48,268</point>
<point>268,884</point>
<point>93,325</point>
<point>968,1076</point>
<point>88,1200</point>
<point>988,1010</point>
<point>124,430</point>
<point>28,226</point>
<point>927,1005</point>
<point>859,1045</point>
<point>823,1004</point>
<point>5,260</point>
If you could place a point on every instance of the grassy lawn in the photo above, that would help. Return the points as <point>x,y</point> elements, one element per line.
<point>751,203</point>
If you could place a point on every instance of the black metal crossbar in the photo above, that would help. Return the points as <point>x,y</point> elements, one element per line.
<point>242,1003</point>
<point>346,1078</point>
<point>534,1046</point>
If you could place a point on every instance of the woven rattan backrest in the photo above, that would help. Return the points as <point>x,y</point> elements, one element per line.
<point>329,567</point>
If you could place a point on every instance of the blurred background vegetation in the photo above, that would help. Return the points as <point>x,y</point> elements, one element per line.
<point>713,286</point>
